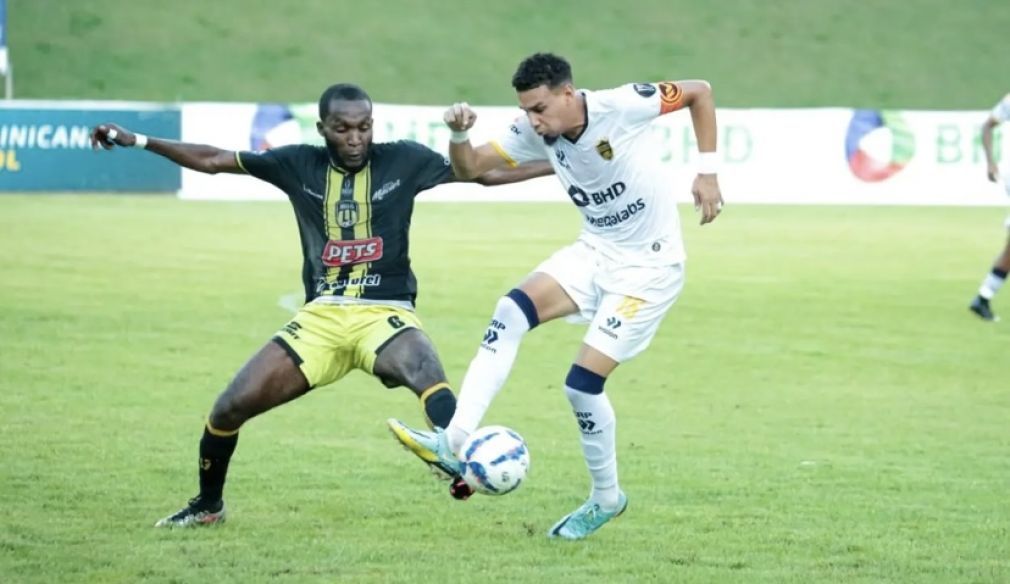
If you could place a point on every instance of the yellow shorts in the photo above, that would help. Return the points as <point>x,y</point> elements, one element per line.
<point>328,341</point>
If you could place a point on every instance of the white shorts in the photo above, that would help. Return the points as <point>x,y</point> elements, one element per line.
<point>623,304</point>
<point>1006,186</point>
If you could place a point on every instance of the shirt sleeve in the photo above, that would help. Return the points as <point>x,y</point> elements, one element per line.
<point>1001,112</point>
<point>277,166</point>
<point>640,103</point>
<point>520,143</point>
<point>432,168</point>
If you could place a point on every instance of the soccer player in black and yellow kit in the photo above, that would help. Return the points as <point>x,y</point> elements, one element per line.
<point>353,201</point>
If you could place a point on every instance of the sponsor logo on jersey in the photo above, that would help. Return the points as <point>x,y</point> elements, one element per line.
<point>387,188</point>
<point>618,217</point>
<point>581,198</point>
<point>604,149</point>
<point>368,280</point>
<point>311,192</point>
<point>351,251</point>
<point>347,213</point>
<point>645,89</point>
<point>670,96</point>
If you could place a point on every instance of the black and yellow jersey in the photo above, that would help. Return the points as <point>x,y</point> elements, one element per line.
<point>354,227</point>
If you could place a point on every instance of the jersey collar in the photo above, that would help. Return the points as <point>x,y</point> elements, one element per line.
<point>585,114</point>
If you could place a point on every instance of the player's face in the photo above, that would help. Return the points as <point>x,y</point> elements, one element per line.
<point>552,112</point>
<point>347,130</point>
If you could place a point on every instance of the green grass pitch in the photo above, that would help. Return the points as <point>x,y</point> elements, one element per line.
<point>818,407</point>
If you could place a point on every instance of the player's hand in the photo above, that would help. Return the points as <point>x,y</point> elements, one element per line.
<point>459,117</point>
<point>707,197</point>
<point>108,136</point>
<point>993,172</point>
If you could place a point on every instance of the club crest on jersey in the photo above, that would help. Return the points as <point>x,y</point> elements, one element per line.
<point>604,149</point>
<point>347,213</point>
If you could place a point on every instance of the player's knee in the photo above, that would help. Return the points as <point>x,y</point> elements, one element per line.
<point>227,413</point>
<point>423,370</point>
<point>516,306</point>
<point>583,380</point>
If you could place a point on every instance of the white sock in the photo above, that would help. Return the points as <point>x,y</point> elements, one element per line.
<point>598,426</point>
<point>991,285</point>
<point>488,370</point>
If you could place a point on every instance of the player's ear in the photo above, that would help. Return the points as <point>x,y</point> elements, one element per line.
<point>319,128</point>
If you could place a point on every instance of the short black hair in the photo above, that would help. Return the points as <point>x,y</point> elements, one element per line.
<point>542,69</point>
<point>340,92</point>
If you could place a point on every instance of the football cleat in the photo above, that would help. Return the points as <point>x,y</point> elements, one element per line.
<point>585,520</point>
<point>430,447</point>
<point>196,513</point>
<point>980,306</point>
<point>460,490</point>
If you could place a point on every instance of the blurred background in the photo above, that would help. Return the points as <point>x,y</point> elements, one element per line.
<point>920,54</point>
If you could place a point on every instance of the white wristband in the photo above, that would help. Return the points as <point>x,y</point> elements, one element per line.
<point>459,137</point>
<point>708,162</point>
<point>141,141</point>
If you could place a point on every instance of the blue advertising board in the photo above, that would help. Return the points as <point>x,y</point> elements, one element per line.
<point>45,146</point>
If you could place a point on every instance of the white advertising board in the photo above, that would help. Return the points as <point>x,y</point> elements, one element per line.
<point>793,156</point>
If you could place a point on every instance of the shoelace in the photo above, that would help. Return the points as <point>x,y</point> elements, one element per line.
<point>590,515</point>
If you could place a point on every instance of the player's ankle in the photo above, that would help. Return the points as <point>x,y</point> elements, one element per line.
<point>455,437</point>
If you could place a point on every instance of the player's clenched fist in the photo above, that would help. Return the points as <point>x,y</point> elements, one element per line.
<point>459,117</point>
<point>108,136</point>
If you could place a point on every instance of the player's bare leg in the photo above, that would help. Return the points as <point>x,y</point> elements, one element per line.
<point>993,281</point>
<point>410,359</point>
<point>270,378</point>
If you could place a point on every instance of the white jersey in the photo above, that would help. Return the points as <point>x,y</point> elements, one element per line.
<point>612,172</point>
<point>1001,113</point>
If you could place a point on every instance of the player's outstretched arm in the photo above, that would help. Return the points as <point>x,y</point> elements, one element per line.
<point>509,175</point>
<point>697,96</point>
<point>468,162</point>
<point>198,157</point>
<point>992,169</point>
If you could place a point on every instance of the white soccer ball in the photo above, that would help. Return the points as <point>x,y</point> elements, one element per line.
<point>495,460</point>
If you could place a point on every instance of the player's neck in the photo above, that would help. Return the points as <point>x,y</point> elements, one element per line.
<point>581,118</point>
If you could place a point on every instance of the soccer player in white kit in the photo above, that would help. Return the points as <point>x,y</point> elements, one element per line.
<point>996,277</point>
<point>622,274</point>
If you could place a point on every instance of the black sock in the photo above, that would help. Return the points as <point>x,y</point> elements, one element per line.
<point>999,273</point>
<point>215,452</point>
<point>439,405</point>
